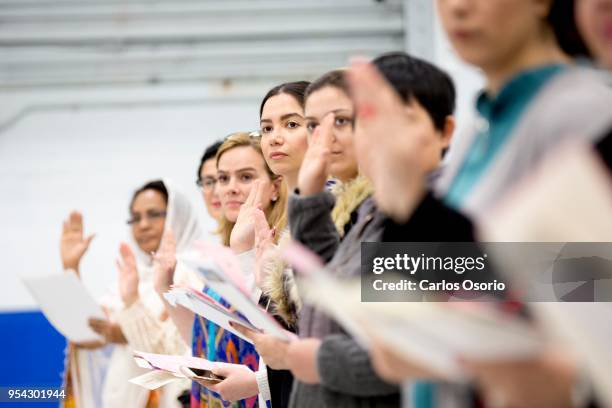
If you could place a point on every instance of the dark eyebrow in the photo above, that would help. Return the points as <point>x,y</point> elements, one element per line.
<point>240,170</point>
<point>289,115</point>
<point>246,169</point>
<point>341,110</point>
<point>332,111</point>
<point>284,117</point>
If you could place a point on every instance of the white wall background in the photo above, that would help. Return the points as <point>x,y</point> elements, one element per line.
<point>66,144</point>
<point>92,160</point>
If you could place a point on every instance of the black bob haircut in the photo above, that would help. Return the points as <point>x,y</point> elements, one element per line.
<point>155,185</point>
<point>209,153</point>
<point>418,80</point>
<point>562,19</point>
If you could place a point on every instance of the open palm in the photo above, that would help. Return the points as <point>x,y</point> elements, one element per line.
<point>73,245</point>
<point>128,275</point>
<point>165,263</point>
<point>242,238</point>
<point>315,168</point>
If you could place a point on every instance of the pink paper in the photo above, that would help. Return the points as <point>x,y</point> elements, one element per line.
<point>173,363</point>
<point>301,258</point>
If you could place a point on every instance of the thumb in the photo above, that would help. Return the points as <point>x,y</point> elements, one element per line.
<point>221,371</point>
<point>244,330</point>
<point>315,137</point>
<point>106,311</point>
<point>89,239</point>
<point>326,129</point>
<point>120,268</point>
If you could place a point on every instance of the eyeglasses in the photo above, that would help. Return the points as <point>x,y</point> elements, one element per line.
<point>256,134</point>
<point>207,184</point>
<point>151,215</point>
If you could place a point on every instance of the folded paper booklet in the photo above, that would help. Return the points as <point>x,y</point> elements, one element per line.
<point>434,334</point>
<point>167,369</point>
<point>221,271</point>
<point>57,295</point>
<point>586,328</point>
<point>205,306</point>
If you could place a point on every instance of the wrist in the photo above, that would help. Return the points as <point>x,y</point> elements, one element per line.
<point>306,191</point>
<point>71,266</point>
<point>162,288</point>
<point>240,246</point>
<point>130,301</point>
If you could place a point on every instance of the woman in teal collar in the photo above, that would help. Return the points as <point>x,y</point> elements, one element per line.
<point>533,100</point>
<point>530,86</point>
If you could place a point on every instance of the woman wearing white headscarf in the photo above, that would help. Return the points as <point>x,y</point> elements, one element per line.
<point>137,320</point>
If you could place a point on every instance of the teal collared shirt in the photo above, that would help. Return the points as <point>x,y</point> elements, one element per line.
<point>497,117</point>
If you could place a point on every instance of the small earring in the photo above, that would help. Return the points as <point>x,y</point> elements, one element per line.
<point>274,199</point>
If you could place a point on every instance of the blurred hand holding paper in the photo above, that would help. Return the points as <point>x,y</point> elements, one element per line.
<point>67,305</point>
<point>567,200</point>
<point>171,363</point>
<point>432,334</point>
<point>166,368</point>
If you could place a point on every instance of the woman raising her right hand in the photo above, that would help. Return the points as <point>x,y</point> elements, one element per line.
<point>136,317</point>
<point>244,184</point>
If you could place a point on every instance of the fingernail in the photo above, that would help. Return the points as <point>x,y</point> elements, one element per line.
<point>366,111</point>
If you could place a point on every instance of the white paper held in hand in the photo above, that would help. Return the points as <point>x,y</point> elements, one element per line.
<point>67,305</point>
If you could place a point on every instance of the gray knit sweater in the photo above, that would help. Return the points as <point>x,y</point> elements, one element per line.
<point>347,376</point>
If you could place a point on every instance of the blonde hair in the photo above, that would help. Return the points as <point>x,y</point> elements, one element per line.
<point>276,214</point>
<point>349,196</point>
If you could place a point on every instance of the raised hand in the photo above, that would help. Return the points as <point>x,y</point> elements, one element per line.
<point>316,165</point>
<point>264,245</point>
<point>128,275</point>
<point>388,153</point>
<point>165,263</point>
<point>73,245</point>
<point>242,238</point>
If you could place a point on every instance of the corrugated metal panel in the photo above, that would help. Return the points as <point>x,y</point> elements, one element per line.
<point>94,42</point>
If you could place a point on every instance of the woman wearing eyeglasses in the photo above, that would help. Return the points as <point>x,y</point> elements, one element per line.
<point>98,376</point>
<point>207,179</point>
